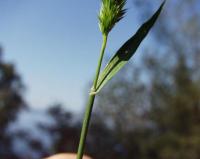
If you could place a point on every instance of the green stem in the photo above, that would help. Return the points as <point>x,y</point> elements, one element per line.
<point>100,61</point>
<point>90,103</point>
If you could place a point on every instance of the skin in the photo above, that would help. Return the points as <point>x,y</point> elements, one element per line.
<point>66,156</point>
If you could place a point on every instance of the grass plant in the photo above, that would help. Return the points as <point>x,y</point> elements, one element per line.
<point>111,12</point>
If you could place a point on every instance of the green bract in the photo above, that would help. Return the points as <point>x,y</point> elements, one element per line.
<point>111,12</point>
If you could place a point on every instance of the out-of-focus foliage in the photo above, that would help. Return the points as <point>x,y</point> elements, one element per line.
<point>155,119</point>
<point>63,131</point>
<point>11,102</point>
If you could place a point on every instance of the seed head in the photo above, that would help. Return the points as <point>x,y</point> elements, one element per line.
<point>111,12</point>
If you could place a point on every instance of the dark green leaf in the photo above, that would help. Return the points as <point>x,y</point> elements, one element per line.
<point>126,51</point>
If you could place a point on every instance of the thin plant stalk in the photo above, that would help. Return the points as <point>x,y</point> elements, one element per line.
<point>90,103</point>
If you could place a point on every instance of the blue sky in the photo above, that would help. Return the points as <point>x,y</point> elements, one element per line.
<point>55,46</point>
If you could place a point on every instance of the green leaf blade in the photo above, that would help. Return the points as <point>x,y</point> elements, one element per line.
<point>127,50</point>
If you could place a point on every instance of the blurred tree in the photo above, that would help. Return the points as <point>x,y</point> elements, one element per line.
<point>101,142</point>
<point>64,135</point>
<point>64,131</point>
<point>11,102</point>
<point>175,111</point>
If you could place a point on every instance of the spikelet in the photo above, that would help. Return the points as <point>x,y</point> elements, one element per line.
<point>111,12</point>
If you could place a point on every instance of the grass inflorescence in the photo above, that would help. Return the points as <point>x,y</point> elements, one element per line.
<point>111,12</point>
